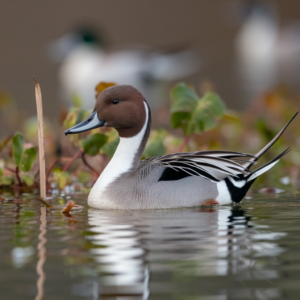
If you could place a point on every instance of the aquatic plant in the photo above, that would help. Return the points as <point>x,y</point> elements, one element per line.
<point>22,155</point>
<point>194,114</point>
<point>198,122</point>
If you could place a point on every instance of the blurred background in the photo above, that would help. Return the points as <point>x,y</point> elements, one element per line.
<point>240,49</point>
<point>246,51</point>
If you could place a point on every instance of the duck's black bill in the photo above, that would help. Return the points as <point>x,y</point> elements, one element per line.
<point>91,122</point>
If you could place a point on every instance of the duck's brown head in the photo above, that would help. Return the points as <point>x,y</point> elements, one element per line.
<point>121,107</point>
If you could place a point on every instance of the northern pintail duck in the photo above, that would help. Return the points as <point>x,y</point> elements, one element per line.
<point>169,181</point>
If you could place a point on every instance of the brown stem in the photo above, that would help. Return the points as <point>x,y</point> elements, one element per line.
<point>184,143</point>
<point>50,169</point>
<point>87,164</point>
<point>62,158</point>
<point>11,170</point>
<point>18,176</point>
<point>66,167</point>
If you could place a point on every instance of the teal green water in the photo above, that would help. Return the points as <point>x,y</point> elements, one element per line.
<point>251,251</point>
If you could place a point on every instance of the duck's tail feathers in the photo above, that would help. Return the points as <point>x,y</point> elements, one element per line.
<point>239,186</point>
<point>267,166</point>
<point>268,146</point>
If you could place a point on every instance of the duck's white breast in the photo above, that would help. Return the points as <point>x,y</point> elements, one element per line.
<point>121,163</point>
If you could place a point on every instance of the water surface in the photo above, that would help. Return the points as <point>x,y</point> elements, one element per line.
<point>249,251</point>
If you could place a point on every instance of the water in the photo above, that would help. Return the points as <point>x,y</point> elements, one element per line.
<point>231,252</point>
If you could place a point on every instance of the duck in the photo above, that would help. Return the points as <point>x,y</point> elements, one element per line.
<point>267,51</point>
<point>85,60</point>
<point>190,179</point>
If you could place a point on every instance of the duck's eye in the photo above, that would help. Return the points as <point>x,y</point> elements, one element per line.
<point>115,101</point>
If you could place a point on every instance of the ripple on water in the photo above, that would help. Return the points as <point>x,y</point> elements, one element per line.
<point>231,252</point>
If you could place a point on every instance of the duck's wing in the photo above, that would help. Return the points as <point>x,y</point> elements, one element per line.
<point>212,165</point>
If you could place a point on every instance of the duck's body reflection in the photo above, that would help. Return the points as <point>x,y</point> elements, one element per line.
<point>186,243</point>
<point>119,253</point>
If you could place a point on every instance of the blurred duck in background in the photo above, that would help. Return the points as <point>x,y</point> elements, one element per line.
<point>268,53</point>
<point>85,62</point>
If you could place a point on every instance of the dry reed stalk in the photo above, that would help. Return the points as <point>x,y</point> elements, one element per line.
<point>39,107</point>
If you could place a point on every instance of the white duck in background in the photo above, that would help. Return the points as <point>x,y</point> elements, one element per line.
<point>267,53</point>
<point>85,63</point>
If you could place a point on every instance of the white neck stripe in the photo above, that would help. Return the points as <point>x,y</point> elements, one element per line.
<point>121,162</point>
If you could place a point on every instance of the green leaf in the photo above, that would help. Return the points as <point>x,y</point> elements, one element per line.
<point>61,178</point>
<point>178,118</point>
<point>27,179</point>
<point>155,145</point>
<point>184,98</point>
<point>209,108</point>
<point>5,180</point>
<point>213,105</point>
<point>112,143</point>
<point>17,145</point>
<point>28,158</point>
<point>192,114</point>
<point>205,122</point>
<point>93,143</point>
<point>84,177</point>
